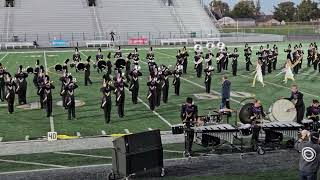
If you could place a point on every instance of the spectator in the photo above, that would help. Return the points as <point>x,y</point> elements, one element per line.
<point>112,34</point>
<point>309,149</point>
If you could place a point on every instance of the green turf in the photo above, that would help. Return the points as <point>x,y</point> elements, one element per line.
<point>137,117</point>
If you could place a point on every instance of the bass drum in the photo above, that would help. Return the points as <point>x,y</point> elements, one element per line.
<point>244,113</point>
<point>282,110</point>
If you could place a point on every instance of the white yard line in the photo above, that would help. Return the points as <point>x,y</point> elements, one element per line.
<point>51,124</point>
<point>4,57</point>
<point>127,131</point>
<point>78,134</point>
<point>49,169</point>
<point>46,68</point>
<point>172,151</point>
<point>32,163</point>
<point>84,155</point>
<point>103,132</point>
<point>154,112</point>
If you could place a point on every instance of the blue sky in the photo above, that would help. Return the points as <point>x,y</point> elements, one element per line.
<point>266,5</point>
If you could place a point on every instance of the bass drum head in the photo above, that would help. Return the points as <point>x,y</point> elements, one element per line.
<point>244,114</point>
<point>283,110</point>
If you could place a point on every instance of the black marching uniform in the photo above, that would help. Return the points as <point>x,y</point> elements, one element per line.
<point>47,91</point>
<point>120,94</point>
<point>106,103</point>
<point>176,80</point>
<point>185,55</point>
<point>87,72</point>
<point>21,86</point>
<point>188,115</point>
<point>198,63</point>
<point>64,85</point>
<point>310,54</point>
<point>247,55</point>
<point>99,57</point>
<point>134,84</point>
<point>297,99</point>
<point>2,83</point>
<point>40,81</point>
<point>164,76</point>
<point>10,94</point>
<point>152,92</point>
<point>70,99</point>
<point>207,80</point>
<point>234,63</point>
<point>275,54</point>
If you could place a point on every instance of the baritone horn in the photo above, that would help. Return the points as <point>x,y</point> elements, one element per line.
<point>197,48</point>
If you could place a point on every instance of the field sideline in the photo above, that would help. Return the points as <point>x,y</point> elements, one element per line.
<point>90,122</point>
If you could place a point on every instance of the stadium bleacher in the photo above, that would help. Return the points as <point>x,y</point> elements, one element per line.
<point>75,21</point>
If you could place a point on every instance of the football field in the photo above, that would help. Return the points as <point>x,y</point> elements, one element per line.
<point>33,123</point>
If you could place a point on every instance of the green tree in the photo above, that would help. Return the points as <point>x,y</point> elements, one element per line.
<point>285,11</point>
<point>222,6</point>
<point>244,9</point>
<point>307,10</point>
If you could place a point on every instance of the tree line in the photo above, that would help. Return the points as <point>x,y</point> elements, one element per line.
<point>285,11</point>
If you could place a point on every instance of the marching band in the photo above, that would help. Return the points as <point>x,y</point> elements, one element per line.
<point>125,72</point>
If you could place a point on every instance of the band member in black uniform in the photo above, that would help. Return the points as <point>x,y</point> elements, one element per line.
<point>120,94</point>
<point>260,55</point>
<point>207,79</point>
<point>185,55</point>
<point>269,61</point>
<point>198,63</point>
<point>65,65</point>
<point>316,60</point>
<point>47,91</point>
<point>301,53</point>
<point>256,114</point>
<point>99,57</point>
<point>152,91</point>
<point>87,72</point>
<point>226,60</point>
<point>221,58</point>
<point>106,103</point>
<point>150,58</point>
<point>10,92</point>
<point>288,51</point>
<point>176,78</point>
<point>247,55</point>
<point>275,54</point>
<point>109,64</point>
<point>158,74</point>
<point>40,81</point>
<point>76,56</point>
<point>36,72</point>
<point>265,55</point>
<point>297,99</point>
<point>118,53</point>
<point>134,86</point>
<point>189,115</point>
<point>296,60</point>
<point>313,111</point>
<point>2,82</point>
<point>21,85</point>
<point>70,98</point>
<point>64,84</point>
<point>310,54</point>
<point>112,34</point>
<point>165,73</point>
<point>234,64</point>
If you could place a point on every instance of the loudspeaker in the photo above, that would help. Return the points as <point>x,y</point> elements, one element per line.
<point>137,153</point>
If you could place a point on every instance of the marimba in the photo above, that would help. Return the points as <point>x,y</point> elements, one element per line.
<point>289,129</point>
